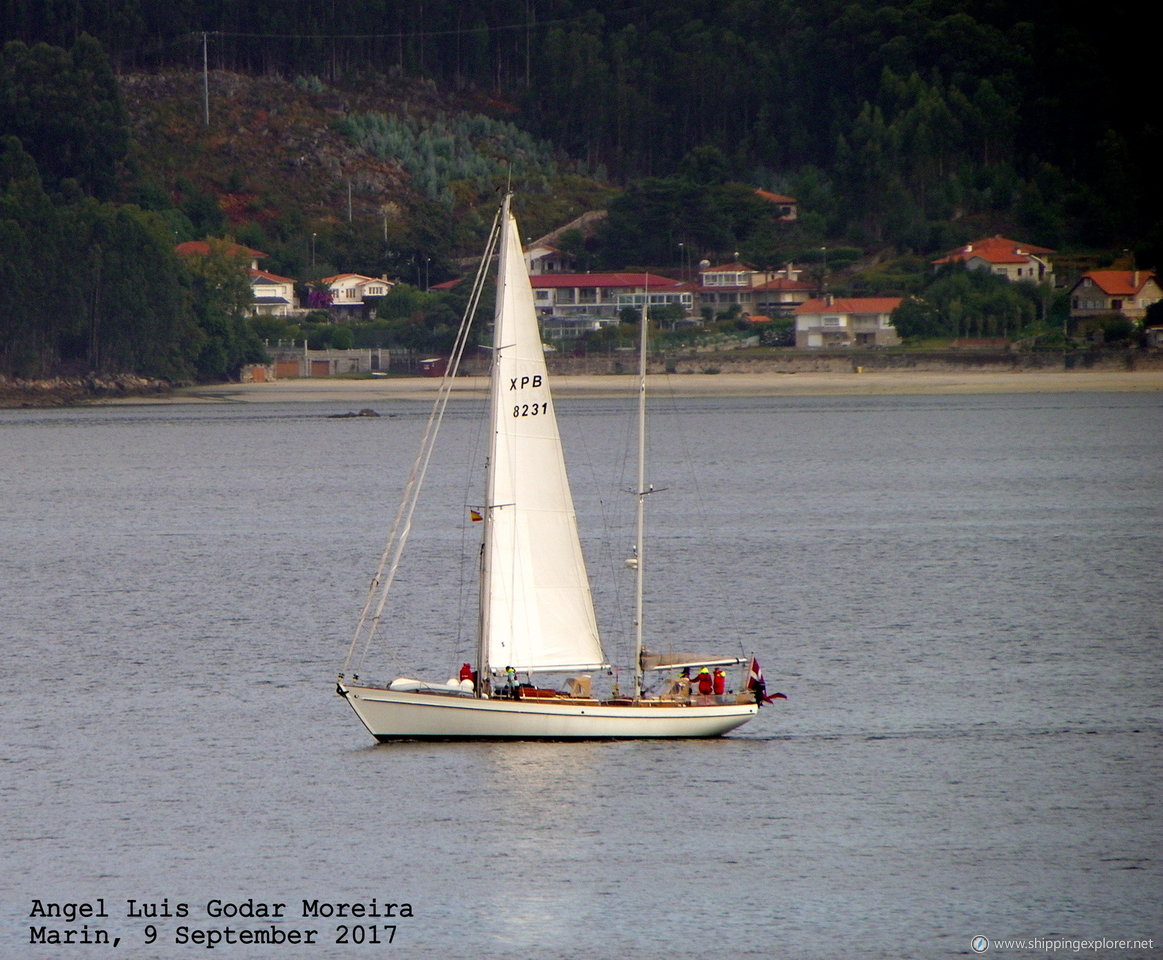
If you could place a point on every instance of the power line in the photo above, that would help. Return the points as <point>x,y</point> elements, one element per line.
<point>400,35</point>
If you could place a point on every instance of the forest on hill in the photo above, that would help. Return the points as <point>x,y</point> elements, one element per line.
<point>904,127</point>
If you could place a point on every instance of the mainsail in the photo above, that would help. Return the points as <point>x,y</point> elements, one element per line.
<point>536,608</point>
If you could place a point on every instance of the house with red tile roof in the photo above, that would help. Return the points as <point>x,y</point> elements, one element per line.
<point>846,322</point>
<point>773,292</point>
<point>569,303</point>
<point>1129,292</point>
<point>788,206</point>
<point>781,296</point>
<point>1011,259</point>
<point>273,295</point>
<point>202,248</point>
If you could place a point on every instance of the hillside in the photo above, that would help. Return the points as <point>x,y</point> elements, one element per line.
<point>902,131</point>
<point>270,145</point>
<point>276,162</point>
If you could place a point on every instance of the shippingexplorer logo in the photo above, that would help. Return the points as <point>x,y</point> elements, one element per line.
<point>985,944</point>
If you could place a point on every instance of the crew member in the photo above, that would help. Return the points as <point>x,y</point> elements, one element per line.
<point>720,682</point>
<point>706,682</point>
<point>680,688</point>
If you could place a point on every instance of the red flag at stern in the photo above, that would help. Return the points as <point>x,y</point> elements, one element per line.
<point>757,685</point>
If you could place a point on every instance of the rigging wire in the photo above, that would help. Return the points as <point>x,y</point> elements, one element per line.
<point>697,514</point>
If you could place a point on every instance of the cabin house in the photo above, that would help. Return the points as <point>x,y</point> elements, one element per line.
<point>1129,292</point>
<point>1003,258</point>
<point>846,322</point>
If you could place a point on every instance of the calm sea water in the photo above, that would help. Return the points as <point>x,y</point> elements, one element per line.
<point>959,595</point>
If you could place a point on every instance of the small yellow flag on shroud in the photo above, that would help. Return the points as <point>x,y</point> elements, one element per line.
<point>475,515</point>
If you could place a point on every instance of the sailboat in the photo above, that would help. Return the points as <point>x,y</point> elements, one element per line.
<point>536,613</point>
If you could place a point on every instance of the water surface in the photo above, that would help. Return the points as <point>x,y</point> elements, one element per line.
<point>959,596</point>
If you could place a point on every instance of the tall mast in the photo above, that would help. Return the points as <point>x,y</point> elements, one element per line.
<point>639,546</point>
<point>484,667</point>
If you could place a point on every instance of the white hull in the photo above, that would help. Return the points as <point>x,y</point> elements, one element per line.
<point>397,715</point>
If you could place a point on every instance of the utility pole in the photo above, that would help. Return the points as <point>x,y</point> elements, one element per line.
<point>205,81</point>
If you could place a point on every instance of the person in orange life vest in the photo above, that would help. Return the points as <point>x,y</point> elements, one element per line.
<point>705,681</point>
<point>720,682</point>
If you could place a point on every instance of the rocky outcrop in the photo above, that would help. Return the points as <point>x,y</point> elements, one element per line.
<point>70,391</point>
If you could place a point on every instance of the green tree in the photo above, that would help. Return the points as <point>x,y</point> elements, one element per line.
<point>969,303</point>
<point>220,297</point>
<point>424,322</point>
<point>915,318</point>
<point>66,109</point>
<point>31,246</point>
<point>141,313</point>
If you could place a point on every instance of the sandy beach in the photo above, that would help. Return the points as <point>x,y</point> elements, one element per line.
<point>361,393</point>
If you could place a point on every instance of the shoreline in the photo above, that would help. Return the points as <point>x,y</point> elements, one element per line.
<point>868,383</point>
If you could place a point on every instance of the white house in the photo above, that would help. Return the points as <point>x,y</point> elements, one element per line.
<point>274,296</point>
<point>846,322</point>
<point>354,293</point>
<point>601,296</point>
<point>543,258</point>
